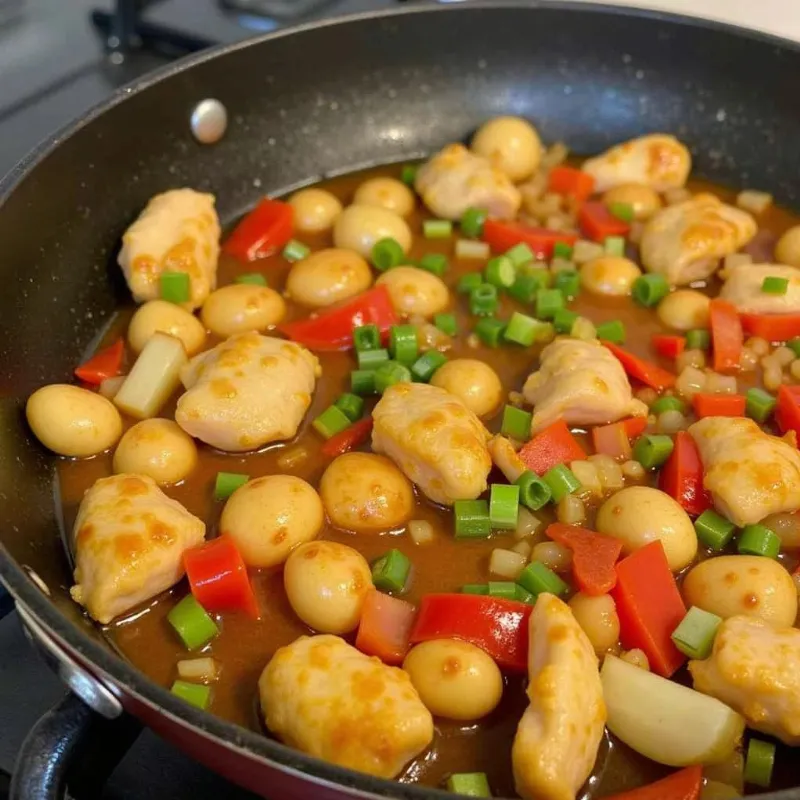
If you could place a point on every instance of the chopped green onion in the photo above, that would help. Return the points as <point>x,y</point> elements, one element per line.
<point>667,403</point>
<point>330,422</point>
<point>759,404</point>
<point>523,329</point>
<point>614,246</point>
<point>390,572</point>
<point>758,540</point>
<point>773,285</point>
<point>197,694</point>
<point>252,278</point>
<point>351,404</point>
<point>387,253</point>
<point>366,337</point>
<point>533,491</point>
<point>427,364</point>
<point>403,343</point>
<point>505,589</point>
<point>563,320</point>
<point>390,373</point>
<point>648,290</point>
<point>794,345</point>
<point>561,481</point>
<point>472,248</point>
<point>695,634</point>
<point>523,595</point>
<point>490,331</point>
<point>548,301</point>
<point>475,588</point>
<point>537,578</point>
<point>192,623</point>
<point>562,250</point>
<point>525,286</point>
<point>446,323</point>
<point>435,263</point>
<point>437,228</point>
<point>469,282</point>
<point>516,423</point>
<point>471,784</point>
<point>409,174</point>
<point>504,506</point>
<point>372,359</point>
<point>612,331</point>
<point>483,300</point>
<point>175,287</point>
<point>698,339</point>
<point>500,271</point>
<point>713,530</point>
<point>362,381</point>
<point>623,211</point>
<point>227,483</point>
<point>759,763</point>
<point>472,222</point>
<point>652,450</point>
<point>472,519</point>
<point>295,251</point>
<point>520,254</point>
<point>568,282</point>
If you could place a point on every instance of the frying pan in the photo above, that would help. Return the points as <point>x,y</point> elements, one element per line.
<point>303,104</point>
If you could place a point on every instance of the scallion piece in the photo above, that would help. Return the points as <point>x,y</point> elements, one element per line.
<point>469,282</point>
<point>505,589</point>
<point>516,423</point>
<point>537,578</point>
<point>759,404</point>
<point>483,300</point>
<point>500,271</point>
<point>794,345</point>
<point>362,381</point>
<point>372,359</point>
<point>426,365</point>
<point>490,331</point>
<point>667,403</point>
<point>713,530</point>
<point>175,287</point>
<point>525,286</point>
<point>471,519</point>
<point>533,491</point>
<point>472,249</point>
<point>523,595</point>
<point>523,329</point>
<point>774,285</point>
<point>695,634</point>
<point>330,422</point>
<point>403,343</point>
<point>520,254</point>
<point>698,339</point>
<point>648,290</point>
<point>563,320</point>
<point>614,245</point>
<point>652,450</point>
<point>561,481</point>
<point>472,222</point>
<point>446,323</point>
<point>562,250</point>
<point>252,278</point>
<point>504,506</point>
<point>351,405</point>
<point>192,623</point>
<point>758,540</point>
<point>435,263</point>
<point>568,282</point>
<point>471,784</point>
<point>548,302</point>
<point>387,253</point>
<point>227,483</point>
<point>409,174</point>
<point>612,331</point>
<point>623,211</point>
<point>366,337</point>
<point>197,694</point>
<point>759,763</point>
<point>437,228</point>
<point>295,251</point>
<point>389,374</point>
<point>475,588</point>
<point>390,572</point>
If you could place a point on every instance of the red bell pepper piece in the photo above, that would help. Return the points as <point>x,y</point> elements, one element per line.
<point>572,182</point>
<point>264,231</point>
<point>385,627</point>
<point>348,439</point>
<point>727,337</point>
<point>787,410</point>
<point>597,222</point>
<point>634,426</point>
<point>333,330</point>
<point>668,346</point>
<point>681,477</point>
<point>497,626</point>
<point>718,405</point>
<point>641,370</point>
<point>502,236</point>
<point>550,447</point>
<point>772,327</point>
<point>105,364</point>
<point>612,440</point>
<point>593,556</point>
<point>685,784</point>
<point>650,607</point>
<point>218,577</point>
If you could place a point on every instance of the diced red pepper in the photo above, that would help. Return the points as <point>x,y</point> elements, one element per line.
<point>593,556</point>
<point>787,410</point>
<point>641,370</point>
<point>685,784</point>
<point>727,337</point>
<point>612,440</point>
<point>772,327</point>
<point>681,477</point>
<point>264,231</point>
<point>598,223</point>
<point>668,346</point>
<point>718,405</point>
<point>497,626</point>
<point>218,577</point>
<point>333,330</point>
<point>571,181</point>
<point>105,364</point>
<point>550,447</point>
<point>348,439</point>
<point>385,627</point>
<point>650,607</point>
<point>634,426</point>
<point>502,236</point>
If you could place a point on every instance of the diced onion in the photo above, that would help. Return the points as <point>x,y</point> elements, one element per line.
<point>571,510</point>
<point>527,523</point>
<point>636,657</point>
<point>506,563</point>
<point>584,251</point>
<point>110,386</point>
<point>647,395</point>
<point>524,549</point>
<point>587,474</point>
<point>690,358</point>
<point>552,555</point>
<point>720,384</point>
<point>421,531</point>
<point>753,201</point>
<point>609,471</point>
<point>690,382</point>
<point>714,790</point>
<point>198,669</point>
<point>470,248</point>
<point>293,457</point>
<point>730,771</point>
<point>671,422</point>
<point>633,470</point>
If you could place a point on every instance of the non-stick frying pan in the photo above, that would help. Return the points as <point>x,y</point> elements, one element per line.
<point>303,104</point>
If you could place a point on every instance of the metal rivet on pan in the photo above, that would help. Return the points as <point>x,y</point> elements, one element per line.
<point>209,121</point>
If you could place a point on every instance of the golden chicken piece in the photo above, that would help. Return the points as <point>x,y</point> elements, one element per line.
<point>247,392</point>
<point>685,242</point>
<point>435,439</point>
<point>656,160</point>
<point>749,473</point>
<point>582,383</point>
<point>324,697</point>
<point>743,289</point>
<point>558,737</point>
<point>455,179</point>
<point>755,669</point>
<point>129,540</point>
<point>178,231</point>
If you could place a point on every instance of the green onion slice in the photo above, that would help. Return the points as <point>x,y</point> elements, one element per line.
<point>227,483</point>
<point>295,251</point>
<point>537,578</point>
<point>533,491</point>
<point>196,694</point>
<point>758,540</point>
<point>175,287</point>
<point>351,405</point>
<point>648,290</point>
<point>471,519</point>
<point>192,623</point>
<point>516,423</point>
<point>389,374</point>
<point>503,506</point>
<point>652,450</point>
<point>387,253</point>
<point>437,228</point>
<point>390,572</point>
<point>331,421</point>
<point>713,530</point>
<point>695,635</point>
<point>561,481</point>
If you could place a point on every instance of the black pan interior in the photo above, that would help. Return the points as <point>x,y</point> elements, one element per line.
<point>322,101</point>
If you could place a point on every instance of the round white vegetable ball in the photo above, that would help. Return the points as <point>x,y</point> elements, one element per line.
<point>242,307</point>
<point>473,381</point>
<point>158,448</point>
<point>511,144</point>
<point>415,292</point>
<point>388,193</point>
<point>315,210</point>
<point>327,277</point>
<point>359,227</point>
<point>160,316</point>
